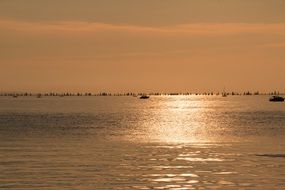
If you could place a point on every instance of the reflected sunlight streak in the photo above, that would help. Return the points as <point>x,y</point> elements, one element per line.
<point>179,120</point>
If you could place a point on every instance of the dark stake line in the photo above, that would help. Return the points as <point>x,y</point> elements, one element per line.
<point>67,94</point>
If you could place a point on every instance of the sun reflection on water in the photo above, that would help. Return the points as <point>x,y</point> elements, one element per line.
<point>178,120</point>
<point>180,135</point>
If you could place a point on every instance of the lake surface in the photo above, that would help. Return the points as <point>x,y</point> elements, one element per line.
<point>166,142</point>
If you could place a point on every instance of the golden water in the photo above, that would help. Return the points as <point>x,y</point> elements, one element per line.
<point>177,142</point>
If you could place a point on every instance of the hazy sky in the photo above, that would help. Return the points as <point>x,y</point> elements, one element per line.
<point>146,45</point>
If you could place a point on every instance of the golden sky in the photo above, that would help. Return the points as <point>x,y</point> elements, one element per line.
<point>146,45</point>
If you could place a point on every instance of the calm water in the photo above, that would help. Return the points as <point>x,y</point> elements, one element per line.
<point>178,142</point>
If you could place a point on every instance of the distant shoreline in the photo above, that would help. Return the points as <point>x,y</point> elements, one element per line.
<point>79,94</point>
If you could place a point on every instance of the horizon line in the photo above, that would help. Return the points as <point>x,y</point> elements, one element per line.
<point>106,93</point>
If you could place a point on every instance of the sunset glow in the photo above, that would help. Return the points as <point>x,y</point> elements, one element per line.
<point>145,46</point>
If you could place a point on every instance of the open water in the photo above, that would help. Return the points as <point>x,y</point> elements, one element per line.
<point>166,142</point>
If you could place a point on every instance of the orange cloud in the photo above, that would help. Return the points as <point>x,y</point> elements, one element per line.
<point>203,29</point>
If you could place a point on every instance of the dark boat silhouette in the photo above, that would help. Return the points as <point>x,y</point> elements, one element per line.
<point>144,97</point>
<point>276,99</point>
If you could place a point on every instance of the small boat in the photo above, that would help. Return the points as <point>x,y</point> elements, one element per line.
<point>144,97</point>
<point>276,99</point>
<point>15,96</point>
<point>39,95</point>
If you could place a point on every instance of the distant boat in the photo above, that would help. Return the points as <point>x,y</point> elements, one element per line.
<point>276,99</point>
<point>39,96</point>
<point>15,96</point>
<point>144,97</point>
